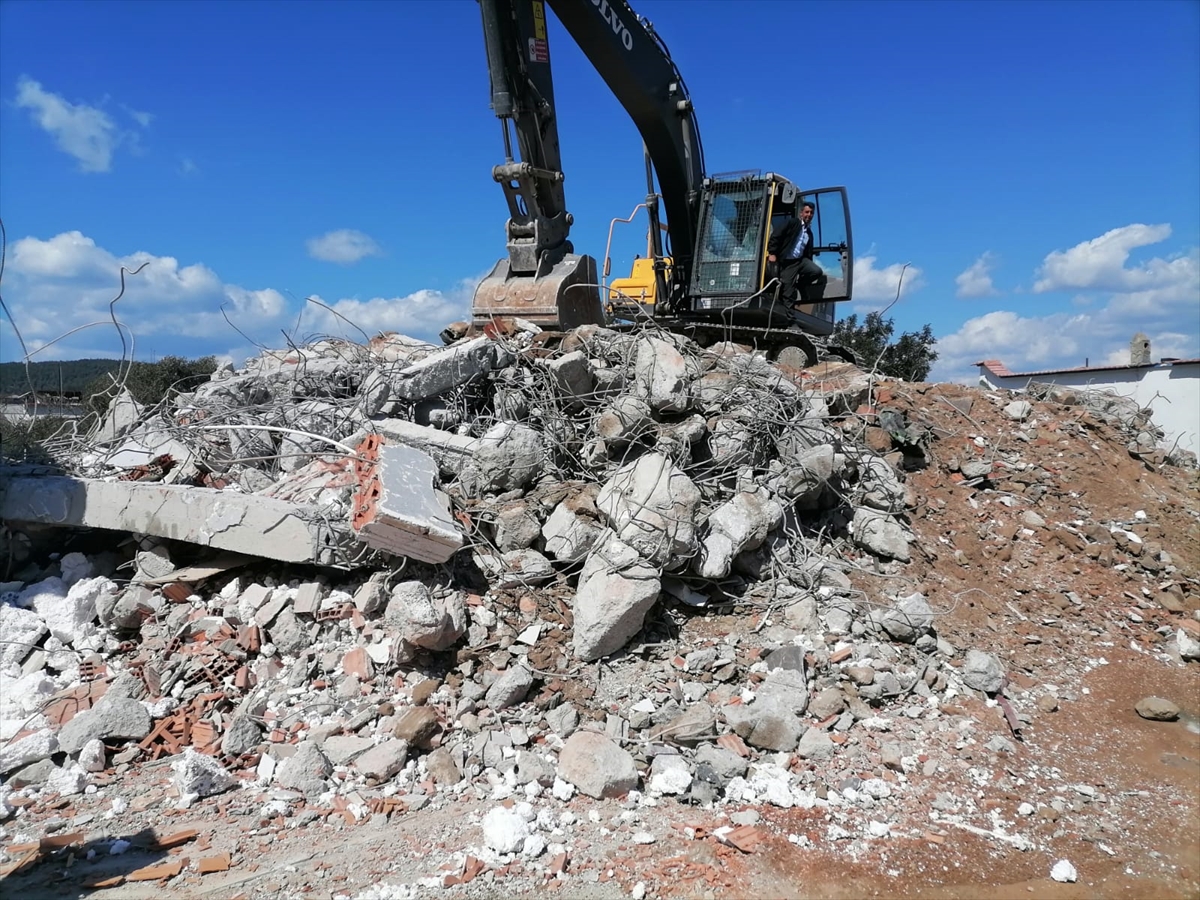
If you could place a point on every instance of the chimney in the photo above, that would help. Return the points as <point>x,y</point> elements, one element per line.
<point>1139,350</point>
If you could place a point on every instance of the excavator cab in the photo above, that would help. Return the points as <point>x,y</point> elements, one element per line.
<point>731,280</point>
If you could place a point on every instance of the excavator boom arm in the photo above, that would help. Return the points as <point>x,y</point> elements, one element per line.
<point>635,65</point>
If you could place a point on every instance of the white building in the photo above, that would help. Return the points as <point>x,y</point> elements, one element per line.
<point>1170,388</point>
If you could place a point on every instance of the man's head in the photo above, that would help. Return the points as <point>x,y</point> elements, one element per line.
<point>806,212</point>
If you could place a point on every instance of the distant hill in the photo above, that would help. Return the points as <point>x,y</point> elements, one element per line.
<point>71,375</point>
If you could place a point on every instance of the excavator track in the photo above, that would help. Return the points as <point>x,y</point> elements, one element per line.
<point>769,340</point>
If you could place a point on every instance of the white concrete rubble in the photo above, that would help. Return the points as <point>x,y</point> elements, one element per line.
<point>409,516</point>
<point>616,590</point>
<point>22,630</point>
<point>200,775</point>
<point>651,505</point>
<point>740,524</point>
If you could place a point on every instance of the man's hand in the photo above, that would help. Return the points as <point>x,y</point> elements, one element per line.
<point>771,257</point>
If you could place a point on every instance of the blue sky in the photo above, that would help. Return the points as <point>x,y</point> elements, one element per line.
<point>1037,165</point>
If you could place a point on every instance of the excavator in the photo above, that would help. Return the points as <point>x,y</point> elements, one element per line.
<point>706,272</point>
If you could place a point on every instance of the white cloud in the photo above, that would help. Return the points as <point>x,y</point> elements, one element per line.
<point>1056,341</point>
<point>68,281</point>
<point>873,286</point>
<point>1099,264</point>
<point>85,132</point>
<point>142,118</point>
<point>421,314</point>
<point>187,166</point>
<point>345,246</point>
<point>55,285</point>
<point>1111,302</point>
<point>976,280</point>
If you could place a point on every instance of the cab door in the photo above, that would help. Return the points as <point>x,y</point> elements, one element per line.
<point>833,248</point>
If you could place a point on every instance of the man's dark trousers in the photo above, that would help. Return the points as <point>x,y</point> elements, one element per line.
<point>803,281</point>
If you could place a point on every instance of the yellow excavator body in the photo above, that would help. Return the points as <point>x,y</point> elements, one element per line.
<point>638,288</point>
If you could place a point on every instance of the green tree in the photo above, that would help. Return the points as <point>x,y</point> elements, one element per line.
<point>150,383</point>
<point>910,357</point>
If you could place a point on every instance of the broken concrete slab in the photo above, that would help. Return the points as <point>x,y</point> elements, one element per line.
<point>449,450</point>
<point>255,525</point>
<point>398,508</point>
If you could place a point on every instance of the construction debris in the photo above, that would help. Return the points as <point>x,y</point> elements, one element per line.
<point>543,572</point>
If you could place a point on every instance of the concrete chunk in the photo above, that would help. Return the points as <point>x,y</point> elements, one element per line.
<point>983,672</point>
<point>880,534</point>
<point>383,760</point>
<point>616,590</point>
<point>308,599</point>
<point>29,749</point>
<point>448,369</point>
<point>434,623</point>
<point>741,524</point>
<point>626,419</point>
<point>651,504</point>
<point>399,510</point>
<point>574,526</point>
<point>768,723</point>
<point>597,766</point>
<point>22,630</point>
<point>111,719</point>
<point>907,620</point>
<point>572,374</point>
<point>662,375</point>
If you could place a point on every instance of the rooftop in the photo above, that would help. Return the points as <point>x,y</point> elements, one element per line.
<point>997,368</point>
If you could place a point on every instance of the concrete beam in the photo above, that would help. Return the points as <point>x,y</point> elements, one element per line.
<point>247,523</point>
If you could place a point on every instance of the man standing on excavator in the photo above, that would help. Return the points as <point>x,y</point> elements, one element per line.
<point>791,249</point>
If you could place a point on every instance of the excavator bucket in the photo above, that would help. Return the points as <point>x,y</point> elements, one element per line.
<point>567,296</point>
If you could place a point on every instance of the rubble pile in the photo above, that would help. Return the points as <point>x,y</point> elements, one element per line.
<point>351,582</point>
<point>1145,439</point>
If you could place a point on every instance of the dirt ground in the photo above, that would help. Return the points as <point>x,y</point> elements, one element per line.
<point>1129,788</point>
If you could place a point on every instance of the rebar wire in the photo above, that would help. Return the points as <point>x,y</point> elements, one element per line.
<point>289,405</point>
